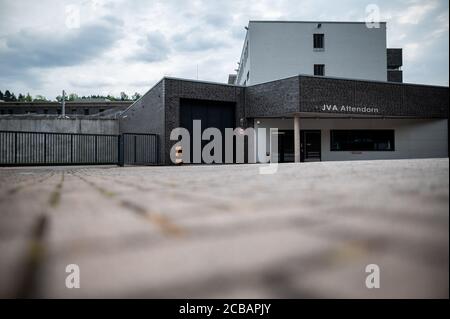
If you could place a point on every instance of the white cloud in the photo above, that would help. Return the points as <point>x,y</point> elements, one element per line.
<point>411,51</point>
<point>154,47</point>
<point>128,45</point>
<point>417,12</point>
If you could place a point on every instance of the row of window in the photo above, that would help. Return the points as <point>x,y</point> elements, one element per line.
<point>362,140</point>
<point>46,111</point>
<point>319,45</point>
<point>318,41</point>
<point>242,64</point>
<point>319,69</point>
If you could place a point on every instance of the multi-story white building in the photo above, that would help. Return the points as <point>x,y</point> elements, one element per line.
<point>279,49</point>
<point>312,91</point>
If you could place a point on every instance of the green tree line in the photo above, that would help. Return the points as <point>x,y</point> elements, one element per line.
<point>9,96</point>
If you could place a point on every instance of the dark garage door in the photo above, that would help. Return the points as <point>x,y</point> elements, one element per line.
<point>212,114</point>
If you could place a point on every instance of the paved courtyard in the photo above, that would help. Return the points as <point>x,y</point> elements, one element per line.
<point>308,231</point>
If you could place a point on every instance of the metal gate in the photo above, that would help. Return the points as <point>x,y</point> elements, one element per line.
<point>43,148</point>
<point>139,149</point>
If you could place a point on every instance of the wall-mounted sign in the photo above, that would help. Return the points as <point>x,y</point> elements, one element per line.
<point>348,109</point>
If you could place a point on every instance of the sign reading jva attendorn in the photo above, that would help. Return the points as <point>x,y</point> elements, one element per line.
<point>348,109</point>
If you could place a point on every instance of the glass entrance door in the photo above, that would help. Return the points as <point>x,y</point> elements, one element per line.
<point>310,146</point>
<point>285,144</point>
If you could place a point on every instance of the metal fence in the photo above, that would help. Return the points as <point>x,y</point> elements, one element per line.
<point>38,148</point>
<point>140,149</point>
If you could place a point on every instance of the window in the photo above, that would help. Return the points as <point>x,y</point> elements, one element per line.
<point>74,111</point>
<point>248,75</point>
<point>45,111</point>
<point>362,140</point>
<point>10,111</point>
<point>319,41</point>
<point>102,110</point>
<point>319,69</point>
<point>2,111</point>
<point>86,111</point>
<point>242,64</point>
<point>59,111</point>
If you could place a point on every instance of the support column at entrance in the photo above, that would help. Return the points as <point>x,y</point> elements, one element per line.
<point>296,139</point>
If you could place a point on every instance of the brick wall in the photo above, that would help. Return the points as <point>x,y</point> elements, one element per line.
<point>392,99</point>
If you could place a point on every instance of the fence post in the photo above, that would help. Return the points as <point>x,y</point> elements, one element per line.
<point>45,148</point>
<point>15,148</point>
<point>71,148</point>
<point>120,150</point>
<point>157,150</point>
<point>134,147</point>
<point>96,156</point>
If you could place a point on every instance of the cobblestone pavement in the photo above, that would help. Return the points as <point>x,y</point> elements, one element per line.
<point>307,231</point>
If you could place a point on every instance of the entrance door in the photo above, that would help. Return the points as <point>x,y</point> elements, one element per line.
<point>215,114</point>
<point>310,145</point>
<point>286,146</point>
<point>284,150</point>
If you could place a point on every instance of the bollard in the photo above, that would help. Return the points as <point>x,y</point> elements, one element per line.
<point>178,155</point>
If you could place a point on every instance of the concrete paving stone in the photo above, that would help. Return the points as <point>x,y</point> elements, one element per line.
<point>78,224</point>
<point>20,210</point>
<point>307,231</point>
<point>399,278</point>
<point>404,239</point>
<point>12,264</point>
<point>19,216</point>
<point>181,262</point>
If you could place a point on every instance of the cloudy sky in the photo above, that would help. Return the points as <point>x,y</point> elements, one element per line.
<point>105,47</point>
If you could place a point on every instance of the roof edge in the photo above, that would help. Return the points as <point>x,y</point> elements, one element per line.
<point>350,79</point>
<point>305,21</point>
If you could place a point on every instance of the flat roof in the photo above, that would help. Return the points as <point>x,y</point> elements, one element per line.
<point>349,79</point>
<point>293,76</point>
<point>67,102</point>
<point>293,21</point>
<point>200,81</point>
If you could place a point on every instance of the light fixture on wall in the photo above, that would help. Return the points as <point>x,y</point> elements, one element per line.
<point>319,25</point>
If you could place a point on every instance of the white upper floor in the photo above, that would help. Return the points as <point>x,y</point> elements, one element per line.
<point>278,49</point>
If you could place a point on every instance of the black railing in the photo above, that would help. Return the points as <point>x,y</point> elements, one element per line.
<point>39,148</point>
<point>140,149</point>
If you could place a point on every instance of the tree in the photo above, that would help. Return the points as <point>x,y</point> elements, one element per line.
<point>73,97</point>
<point>123,96</point>
<point>1,95</point>
<point>28,98</point>
<point>111,98</point>
<point>21,97</point>
<point>7,96</point>
<point>136,96</point>
<point>13,97</point>
<point>39,98</point>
